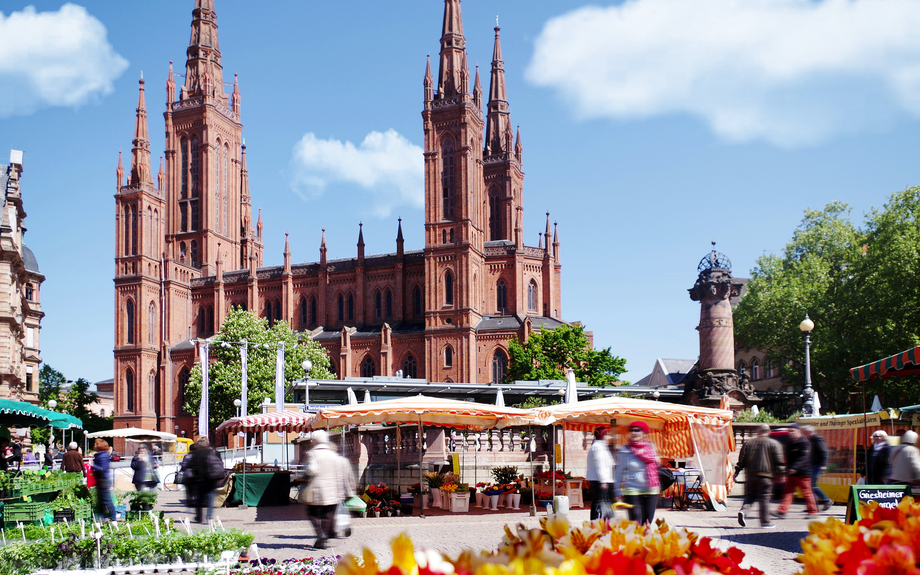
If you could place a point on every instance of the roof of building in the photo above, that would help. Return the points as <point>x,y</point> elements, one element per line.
<point>674,370</point>
<point>28,260</point>
<point>502,322</point>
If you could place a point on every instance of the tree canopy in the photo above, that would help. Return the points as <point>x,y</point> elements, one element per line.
<point>75,401</point>
<point>860,285</point>
<point>225,372</point>
<point>548,354</point>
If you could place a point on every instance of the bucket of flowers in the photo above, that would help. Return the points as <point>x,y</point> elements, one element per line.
<point>435,481</point>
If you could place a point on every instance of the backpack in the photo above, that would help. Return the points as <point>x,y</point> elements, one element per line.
<point>216,470</point>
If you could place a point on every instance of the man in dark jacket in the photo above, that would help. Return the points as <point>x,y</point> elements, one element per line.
<point>762,460</point>
<point>878,468</point>
<point>798,473</point>
<point>208,468</point>
<point>818,465</point>
<point>73,461</point>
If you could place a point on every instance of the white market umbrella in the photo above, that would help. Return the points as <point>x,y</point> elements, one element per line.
<point>133,433</point>
<point>876,405</point>
<point>755,410</point>
<point>817,406</point>
<point>499,398</point>
<point>352,398</point>
<point>367,396</point>
<point>571,389</point>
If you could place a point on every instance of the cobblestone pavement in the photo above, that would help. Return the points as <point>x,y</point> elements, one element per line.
<point>284,532</point>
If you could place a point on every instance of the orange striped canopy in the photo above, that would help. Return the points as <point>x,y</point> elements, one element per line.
<point>285,420</point>
<point>597,412</point>
<point>425,409</point>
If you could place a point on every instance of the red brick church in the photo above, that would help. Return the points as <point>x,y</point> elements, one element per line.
<point>187,248</point>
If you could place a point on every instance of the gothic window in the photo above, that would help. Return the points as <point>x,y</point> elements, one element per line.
<point>184,188</point>
<point>151,322</point>
<point>194,168</point>
<point>351,307</point>
<point>769,370</point>
<point>129,318</point>
<point>219,189</point>
<point>182,252</point>
<point>194,209</point>
<point>313,311</point>
<point>447,178</point>
<point>389,300</point>
<point>742,367</point>
<point>226,187</point>
<point>303,312</point>
<point>341,309</point>
<point>133,230</point>
<point>30,292</point>
<point>378,304</point>
<point>183,213</point>
<point>332,368</point>
<point>452,235</point>
<point>148,233</point>
<point>156,233</point>
<point>129,390</point>
<point>368,369</point>
<point>268,313</point>
<point>410,367</point>
<point>417,300</point>
<point>449,288</point>
<point>210,325</point>
<point>277,310</point>
<point>151,391</point>
<point>184,377</point>
<point>755,369</point>
<point>499,366</point>
<point>501,296</point>
<point>532,295</point>
<point>127,231</point>
<point>495,222</point>
<point>194,254</point>
<point>202,321</point>
<point>448,356</point>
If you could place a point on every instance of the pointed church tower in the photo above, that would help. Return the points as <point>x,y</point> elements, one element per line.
<point>454,221</point>
<point>502,164</point>
<point>204,184</point>
<point>138,248</point>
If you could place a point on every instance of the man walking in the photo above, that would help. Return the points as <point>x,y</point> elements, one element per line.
<point>600,474</point>
<point>905,461</point>
<point>798,473</point>
<point>762,460</point>
<point>818,465</point>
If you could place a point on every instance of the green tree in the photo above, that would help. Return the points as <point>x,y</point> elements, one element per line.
<point>860,287</point>
<point>548,354</point>
<point>50,381</point>
<point>225,372</point>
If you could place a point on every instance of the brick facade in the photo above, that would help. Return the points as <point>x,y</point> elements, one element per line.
<point>444,313</point>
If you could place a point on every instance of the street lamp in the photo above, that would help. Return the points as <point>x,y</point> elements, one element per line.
<point>52,404</point>
<point>808,407</point>
<point>237,403</point>
<point>656,394</point>
<point>307,366</point>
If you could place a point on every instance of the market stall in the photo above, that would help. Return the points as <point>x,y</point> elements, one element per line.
<point>701,436</point>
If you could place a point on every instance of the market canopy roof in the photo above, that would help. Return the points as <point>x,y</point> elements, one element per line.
<point>426,410</point>
<point>596,412</point>
<point>134,433</point>
<point>24,414</point>
<point>285,420</point>
<point>905,363</point>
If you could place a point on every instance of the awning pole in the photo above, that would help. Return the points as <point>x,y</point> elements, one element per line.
<point>533,485</point>
<point>421,479</point>
<point>553,455</point>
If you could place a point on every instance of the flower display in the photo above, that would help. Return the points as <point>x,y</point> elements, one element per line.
<point>885,541</point>
<point>309,566</point>
<point>449,487</point>
<point>433,480</point>
<point>415,489</point>
<point>557,548</point>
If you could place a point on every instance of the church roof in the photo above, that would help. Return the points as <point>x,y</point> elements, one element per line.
<point>505,322</point>
<point>28,260</point>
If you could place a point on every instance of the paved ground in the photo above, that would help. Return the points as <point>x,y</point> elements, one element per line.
<point>284,532</point>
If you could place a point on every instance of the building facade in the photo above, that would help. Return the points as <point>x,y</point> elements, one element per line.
<point>187,250</point>
<point>20,294</point>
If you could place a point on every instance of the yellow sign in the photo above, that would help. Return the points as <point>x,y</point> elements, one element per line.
<point>841,421</point>
<point>558,454</point>
<point>915,420</point>
<point>455,461</point>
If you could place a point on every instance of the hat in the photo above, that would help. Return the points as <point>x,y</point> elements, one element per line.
<point>794,426</point>
<point>910,437</point>
<point>320,436</point>
<point>640,424</point>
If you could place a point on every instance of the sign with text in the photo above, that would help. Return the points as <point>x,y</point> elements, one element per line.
<point>841,421</point>
<point>888,496</point>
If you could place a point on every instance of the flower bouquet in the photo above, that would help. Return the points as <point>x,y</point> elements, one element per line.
<point>415,489</point>
<point>449,487</point>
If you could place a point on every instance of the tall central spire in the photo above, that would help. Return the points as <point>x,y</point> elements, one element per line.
<point>498,123</point>
<point>454,73</point>
<point>203,71</point>
<point>140,154</point>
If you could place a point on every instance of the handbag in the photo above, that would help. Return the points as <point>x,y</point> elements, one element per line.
<point>666,477</point>
<point>305,495</point>
<point>356,504</point>
<point>342,521</point>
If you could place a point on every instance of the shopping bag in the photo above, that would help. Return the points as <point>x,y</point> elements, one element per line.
<point>355,504</point>
<point>342,521</point>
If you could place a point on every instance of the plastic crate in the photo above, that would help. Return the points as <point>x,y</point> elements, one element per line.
<point>23,512</point>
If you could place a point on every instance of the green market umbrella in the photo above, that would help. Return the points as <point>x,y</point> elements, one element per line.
<point>26,414</point>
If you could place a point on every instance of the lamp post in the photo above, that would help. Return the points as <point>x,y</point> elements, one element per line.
<point>656,394</point>
<point>237,403</point>
<point>808,407</point>
<point>307,366</point>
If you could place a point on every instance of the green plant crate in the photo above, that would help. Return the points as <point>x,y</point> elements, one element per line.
<point>83,511</point>
<point>13,512</point>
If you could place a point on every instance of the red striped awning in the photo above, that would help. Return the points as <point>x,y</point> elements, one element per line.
<point>900,364</point>
<point>275,421</point>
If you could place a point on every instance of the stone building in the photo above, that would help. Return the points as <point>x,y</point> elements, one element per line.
<point>20,291</point>
<point>188,251</point>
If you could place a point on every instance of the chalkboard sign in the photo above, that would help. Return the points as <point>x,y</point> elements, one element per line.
<point>888,496</point>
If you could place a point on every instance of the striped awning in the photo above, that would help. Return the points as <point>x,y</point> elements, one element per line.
<point>900,364</point>
<point>275,421</point>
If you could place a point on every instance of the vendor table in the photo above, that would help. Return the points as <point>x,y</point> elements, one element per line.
<point>263,489</point>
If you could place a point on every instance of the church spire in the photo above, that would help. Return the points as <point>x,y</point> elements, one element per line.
<point>140,154</point>
<point>453,74</point>
<point>287,253</point>
<point>259,224</point>
<point>547,234</point>
<point>360,242</point>
<point>235,103</point>
<point>170,85</point>
<point>161,177</point>
<point>400,242</point>
<point>477,90</point>
<point>498,123</point>
<point>203,52</point>
<point>119,173</point>
<point>429,83</point>
<point>322,249</point>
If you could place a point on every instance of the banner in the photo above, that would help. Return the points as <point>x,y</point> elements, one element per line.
<point>279,379</point>
<point>841,421</point>
<point>203,425</point>
<point>244,388</point>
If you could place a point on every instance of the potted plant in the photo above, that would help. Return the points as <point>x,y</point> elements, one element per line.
<point>460,498</point>
<point>418,499</point>
<point>434,481</point>
<point>142,500</point>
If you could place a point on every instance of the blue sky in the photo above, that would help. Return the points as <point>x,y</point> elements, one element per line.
<point>650,128</point>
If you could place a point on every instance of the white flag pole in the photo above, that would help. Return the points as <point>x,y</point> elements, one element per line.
<point>279,378</point>
<point>244,392</point>
<point>203,424</point>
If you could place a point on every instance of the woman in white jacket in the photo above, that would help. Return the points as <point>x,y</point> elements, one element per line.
<point>600,472</point>
<point>332,481</point>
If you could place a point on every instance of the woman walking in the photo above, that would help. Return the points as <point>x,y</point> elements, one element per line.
<point>105,507</point>
<point>145,475</point>
<point>331,482</point>
<point>636,480</point>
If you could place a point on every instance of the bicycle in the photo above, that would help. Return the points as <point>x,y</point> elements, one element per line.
<point>169,482</point>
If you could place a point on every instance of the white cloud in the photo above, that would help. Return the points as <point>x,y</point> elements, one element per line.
<point>54,59</point>
<point>791,72</point>
<point>386,165</point>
